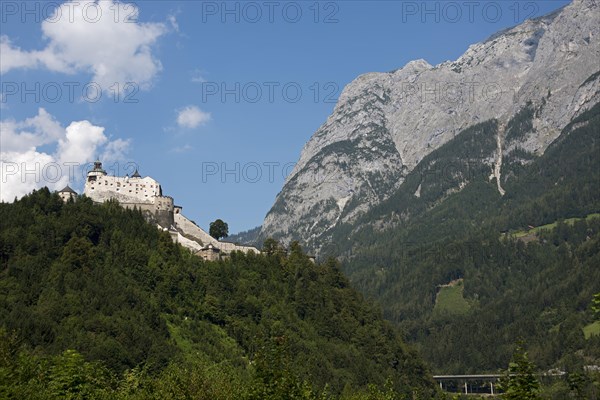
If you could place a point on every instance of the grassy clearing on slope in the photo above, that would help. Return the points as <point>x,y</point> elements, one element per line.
<point>537,229</point>
<point>591,329</point>
<point>450,299</point>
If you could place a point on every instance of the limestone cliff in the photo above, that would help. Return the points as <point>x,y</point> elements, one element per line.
<point>385,123</point>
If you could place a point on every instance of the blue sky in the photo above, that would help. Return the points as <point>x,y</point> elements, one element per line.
<point>213,99</point>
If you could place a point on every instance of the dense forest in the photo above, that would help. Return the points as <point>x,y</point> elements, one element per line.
<point>460,269</point>
<point>97,303</point>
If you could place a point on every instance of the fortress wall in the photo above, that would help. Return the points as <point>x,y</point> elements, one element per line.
<point>163,211</point>
<point>185,242</point>
<point>141,206</point>
<point>146,195</point>
<point>229,247</point>
<point>143,193</point>
<point>191,229</point>
<point>101,188</point>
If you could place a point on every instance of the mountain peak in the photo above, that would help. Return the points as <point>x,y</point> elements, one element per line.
<point>417,65</point>
<point>385,123</point>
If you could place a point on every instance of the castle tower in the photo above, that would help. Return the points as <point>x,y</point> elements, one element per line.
<point>96,173</point>
<point>67,193</point>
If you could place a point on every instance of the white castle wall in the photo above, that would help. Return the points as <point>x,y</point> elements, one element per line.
<point>124,189</point>
<point>187,243</point>
<point>143,193</point>
<point>228,247</point>
<point>191,229</point>
<point>146,195</point>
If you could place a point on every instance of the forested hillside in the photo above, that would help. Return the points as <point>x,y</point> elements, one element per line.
<point>454,268</point>
<point>97,303</point>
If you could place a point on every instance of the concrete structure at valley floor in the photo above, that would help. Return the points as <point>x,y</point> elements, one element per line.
<point>146,195</point>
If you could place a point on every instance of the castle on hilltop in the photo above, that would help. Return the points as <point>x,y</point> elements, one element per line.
<point>130,191</point>
<point>146,195</point>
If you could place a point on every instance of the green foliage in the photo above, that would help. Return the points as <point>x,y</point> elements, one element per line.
<point>521,124</point>
<point>272,247</point>
<point>64,376</point>
<point>450,300</point>
<point>592,329</point>
<point>539,289</point>
<point>218,229</point>
<point>520,382</point>
<point>101,304</point>
<point>274,379</point>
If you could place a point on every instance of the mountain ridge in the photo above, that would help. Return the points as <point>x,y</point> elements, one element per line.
<point>384,124</point>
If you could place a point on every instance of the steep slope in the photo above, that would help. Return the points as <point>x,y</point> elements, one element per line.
<point>537,287</point>
<point>97,303</point>
<point>385,123</point>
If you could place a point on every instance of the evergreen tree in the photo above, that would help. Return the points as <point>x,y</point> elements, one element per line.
<point>520,382</point>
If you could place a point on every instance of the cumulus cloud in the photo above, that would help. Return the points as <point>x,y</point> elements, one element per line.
<point>24,166</point>
<point>116,150</point>
<point>80,142</point>
<point>100,37</point>
<point>192,117</point>
<point>24,172</point>
<point>13,57</point>
<point>29,134</point>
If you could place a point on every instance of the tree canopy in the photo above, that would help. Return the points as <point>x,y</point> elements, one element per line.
<point>218,229</point>
<point>97,303</point>
<point>520,382</point>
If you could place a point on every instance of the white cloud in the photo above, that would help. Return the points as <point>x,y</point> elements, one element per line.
<point>23,172</point>
<point>100,37</point>
<point>80,142</point>
<point>13,57</point>
<point>33,132</point>
<point>116,150</point>
<point>198,76</point>
<point>192,117</point>
<point>24,167</point>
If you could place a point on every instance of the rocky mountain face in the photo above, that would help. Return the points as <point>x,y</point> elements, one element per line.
<point>385,124</point>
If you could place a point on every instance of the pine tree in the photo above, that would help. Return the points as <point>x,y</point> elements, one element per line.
<point>520,382</point>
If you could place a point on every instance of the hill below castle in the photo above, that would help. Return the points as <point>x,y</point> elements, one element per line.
<point>97,303</point>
